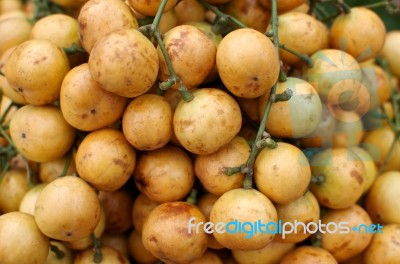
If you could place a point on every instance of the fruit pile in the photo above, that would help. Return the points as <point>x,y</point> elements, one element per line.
<point>199,131</point>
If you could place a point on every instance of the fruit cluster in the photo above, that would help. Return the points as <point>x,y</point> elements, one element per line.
<point>142,131</point>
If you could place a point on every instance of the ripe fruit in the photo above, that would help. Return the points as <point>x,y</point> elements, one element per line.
<point>346,245</point>
<point>270,254</point>
<point>40,133</point>
<point>208,122</point>
<point>307,255</point>
<point>14,31</point>
<point>363,40</point>
<point>165,174</point>
<point>13,187</point>
<point>85,105</point>
<point>192,55</point>
<point>109,255</point>
<point>344,177</point>
<point>147,122</point>
<point>149,8</point>
<point>142,206</point>
<point>36,69</point>
<point>281,183</point>
<point>21,240</point>
<point>300,32</point>
<point>390,51</point>
<point>67,209</point>
<point>166,233</point>
<point>244,206</point>
<point>297,117</point>
<point>384,247</point>
<point>210,168</point>
<point>105,159</point>
<point>118,64</point>
<point>94,23</point>
<point>332,71</point>
<point>251,70</point>
<point>381,201</point>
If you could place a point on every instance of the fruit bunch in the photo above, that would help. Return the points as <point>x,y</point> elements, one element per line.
<point>199,131</point>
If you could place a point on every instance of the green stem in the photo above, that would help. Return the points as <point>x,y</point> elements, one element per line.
<point>66,164</point>
<point>192,197</point>
<point>157,18</point>
<point>186,95</point>
<point>98,255</point>
<point>318,179</point>
<point>59,253</point>
<point>7,137</point>
<point>342,6</point>
<point>221,14</point>
<point>378,4</point>
<point>29,174</point>
<point>389,154</point>
<point>5,113</point>
<point>303,57</point>
<point>74,49</point>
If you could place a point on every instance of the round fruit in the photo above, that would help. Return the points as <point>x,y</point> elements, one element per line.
<point>36,69</point>
<point>363,40</point>
<point>150,8</point>
<point>297,117</point>
<point>382,201</point>
<point>283,5</point>
<point>348,129</point>
<point>369,164</point>
<point>97,18</point>
<point>142,206</point>
<point>85,105</point>
<point>279,182</point>
<point>165,174</point>
<point>109,256</point>
<point>117,62</point>
<point>390,51</point>
<point>210,168</point>
<point>167,236</point>
<point>13,187</point>
<point>208,122</point>
<point>299,32</point>
<point>147,122</point>
<point>67,209</point>
<point>344,177</point>
<point>192,55</point>
<point>245,207</point>
<point>384,247</point>
<point>27,204</point>
<point>308,255</point>
<point>137,250</point>
<point>346,245</point>
<point>14,31</point>
<point>105,159</point>
<point>21,240</point>
<point>330,67</point>
<point>272,253</point>
<point>40,133</point>
<point>253,69</point>
<point>304,210</point>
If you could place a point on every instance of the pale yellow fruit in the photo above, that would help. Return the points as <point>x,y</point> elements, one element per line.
<point>14,31</point>
<point>124,62</point>
<point>13,187</point>
<point>390,51</point>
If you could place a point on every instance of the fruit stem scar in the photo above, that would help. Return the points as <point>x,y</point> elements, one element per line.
<point>318,179</point>
<point>192,198</point>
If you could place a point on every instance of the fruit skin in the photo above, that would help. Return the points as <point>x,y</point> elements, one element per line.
<point>384,247</point>
<point>105,159</point>
<point>244,205</point>
<point>85,105</point>
<point>271,254</point>
<point>14,31</point>
<point>332,67</point>
<point>361,33</point>
<point>391,52</point>
<point>345,246</point>
<point>21,241</point>
<point>165,174</point>
<point>36,69</point>
<point>344,177</point>
<point>147,122</point>
<point>297,117</point>
<point>382,201</point>
<point>247,63</point>
<point>274,178</point>
<point>149,8</point>
<point>192,55</point>
<point>40,133</point>
<point>117,62</point>
<point>209,168</point>
<point>13,187</point>
<point>308,255</point>
<point>166,235</point>
<point>109,256</point>
<point>208,122</point>
<point>95,23</point>
<point>67,209</point>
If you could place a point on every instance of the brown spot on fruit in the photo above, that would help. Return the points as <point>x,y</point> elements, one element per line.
<point>153,239</point>
<point>83,116</point>
<point>355,174</point>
